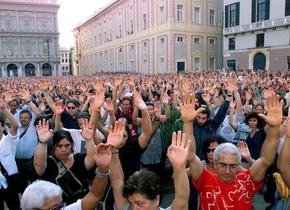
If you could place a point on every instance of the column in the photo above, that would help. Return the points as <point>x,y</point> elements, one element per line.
<point>20,73</point>
<point>170,53</point>
<point>54,70</point>
<point>38,74</point>
<point>189,53</point>
<point>2,70</point>
<point>151,56</point>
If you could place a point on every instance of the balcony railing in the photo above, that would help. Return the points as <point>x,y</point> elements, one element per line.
<point>258,25</point>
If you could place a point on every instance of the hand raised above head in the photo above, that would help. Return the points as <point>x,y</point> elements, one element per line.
<point>274,109</point>
<point>116,134</point>
<point>87,130</point>
<point>43,131</point>
<point>178,150</point>
<point>103,155</point>
<point>187,110</point>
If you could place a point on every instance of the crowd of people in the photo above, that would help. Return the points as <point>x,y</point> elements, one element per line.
<point>105,141</point>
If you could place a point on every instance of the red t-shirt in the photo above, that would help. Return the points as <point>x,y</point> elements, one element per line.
<point>215,194</point>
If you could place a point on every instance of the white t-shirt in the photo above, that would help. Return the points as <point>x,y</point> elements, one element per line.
<point>78,138</point>
<point>74,206</point>
<point>8,145</point>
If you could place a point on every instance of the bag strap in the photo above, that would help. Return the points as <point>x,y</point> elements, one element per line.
<point>61,168</point>
<point>23,133</point>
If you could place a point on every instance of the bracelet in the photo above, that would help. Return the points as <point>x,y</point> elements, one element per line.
<point>102,175</point>
<point>28,101</point>
<point>116,152</point>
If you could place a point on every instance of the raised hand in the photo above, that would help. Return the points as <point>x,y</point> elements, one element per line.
<point>139,101</point>
<point>43,132</point>
<point>118,81</point>
<point>58,109</point>
<point>187,110</point>
<point>178,150</point>
<point>115,137</point>
<point>25,95</point>
<point>99,98</point>
<point>43,85</point>
<point>2,103</point>
<point>232,85</point>
<point>274,109</point>
<point>87,130</point>
<point>206,98</point>
<point>244,150</point>
<point>103,155</point>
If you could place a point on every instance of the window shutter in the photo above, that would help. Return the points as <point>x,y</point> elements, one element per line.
<point>287,8</point>
<point>227,16</point>
<point>237,13</point>
<point>254,3</point>
<point>267,10</point>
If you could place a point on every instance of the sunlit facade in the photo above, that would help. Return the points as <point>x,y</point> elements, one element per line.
<point>149,36</point>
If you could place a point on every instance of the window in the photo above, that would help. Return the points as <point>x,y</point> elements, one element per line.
<point>196,15</point>
<point>120,49</point>
<point>162,60</point>
<point>287,8</point>
<point>145,60</point>
<point>179,13</point>
<point>196,40</point>
<point>260,40</point>
<point>196,63</point>
<point>162,40</point>
<point>260,10</point>
<point>232,15</point>
<point>180,39</point>
<point>231,64</point>
<point>144,21</point>
<point>145,44</point>
<point>288,62</point>
<point>212,41</point>
<point>10,51</point>
<point>132,46</point>
<point>232,43</point>
<point>161,15</point>
<point>211,17</point>
<point>131,27</point>
<point>212,63</point>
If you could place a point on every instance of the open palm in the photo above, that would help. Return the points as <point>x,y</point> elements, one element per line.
<point>115,137</point>
<point>178,150</point>
<point>103,155</point>
<point>187,110</point>
<point>43,132</point>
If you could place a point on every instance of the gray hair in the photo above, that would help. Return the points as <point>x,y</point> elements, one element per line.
<point>227,148</point>
<point>37,193</point>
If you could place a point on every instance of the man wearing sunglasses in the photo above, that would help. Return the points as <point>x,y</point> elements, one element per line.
<point>43,195</point>
<point>231,187</point>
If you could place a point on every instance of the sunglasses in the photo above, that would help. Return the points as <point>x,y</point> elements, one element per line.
<point>70,107</point>
<point>208,150</point>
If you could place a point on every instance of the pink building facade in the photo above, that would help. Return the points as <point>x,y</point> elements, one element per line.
<point>150,36</point>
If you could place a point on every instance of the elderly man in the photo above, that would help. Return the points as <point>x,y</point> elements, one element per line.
<point>231,187</point>
<point>46,195</point>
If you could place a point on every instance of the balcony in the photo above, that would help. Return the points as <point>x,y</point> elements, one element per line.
<point>258,26</point>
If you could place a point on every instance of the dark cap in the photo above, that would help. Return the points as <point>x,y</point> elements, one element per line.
<point>83,115</point>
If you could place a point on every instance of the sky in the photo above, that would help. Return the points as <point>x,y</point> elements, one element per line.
<point>72,12</point>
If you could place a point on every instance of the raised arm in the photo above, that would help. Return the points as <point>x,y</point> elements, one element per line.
<point>269,148</point>
<point>188,114</point>
<point>40,155</point>
<point>284,157</point>
<point>11,119</point>
<point>44,87</point>
<point>115,138</point>
<point>57,120</point>
<point>87,134</point>
<point>102,156</point>
<point>146,122</point>
<point>177,154</point>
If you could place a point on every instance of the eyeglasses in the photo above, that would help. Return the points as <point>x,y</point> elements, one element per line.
<point>208,150</point>
<point>57,207</point>
<point>230,166</point>
<point>70,107</point>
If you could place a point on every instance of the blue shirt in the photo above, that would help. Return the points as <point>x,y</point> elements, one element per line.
<point>26,145</point>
